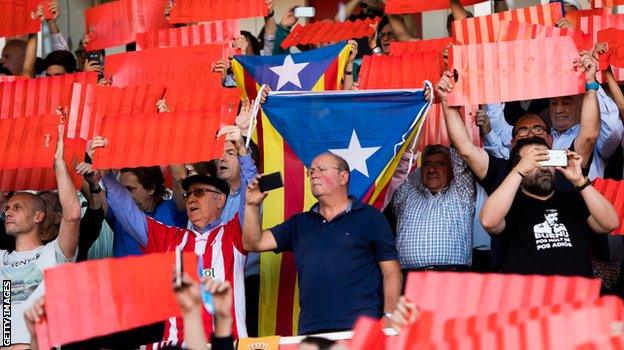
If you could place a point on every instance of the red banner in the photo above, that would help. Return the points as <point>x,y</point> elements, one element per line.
<point>43,178</point>
<point>108,296</point>
<point>191,11</point>
<point>368,334</point>
<point>613,191</point>
<point>200,34</point>
<point>116,23</point>
<point>398,48</point>
<point>184,66</point>
<point>593,24</point>
<point>411,6</point>
<point>159,139</point>
<point>606,3</point>
<point>329,32</point>
<point>575,16</point>
<point>485,29</point>
<point>510,31</point>
<point>29,97</point>
<point>28,142</point>
<point>92,103</point>
<point>399,72</point>
<point>511,71</point>
<point>17,17</point>
<point>615,57</point>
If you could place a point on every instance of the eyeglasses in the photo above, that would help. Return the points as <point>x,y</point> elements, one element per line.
<point>320,169</point>
<point>198,193</point>
<point>388,35</point>
<point>536,129</point>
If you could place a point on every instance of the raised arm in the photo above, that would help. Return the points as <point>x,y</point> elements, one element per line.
<point>70,220</point>
<point>399,27</point>
<point>497,206</point>
<point>30,57</point>
<point>126,211</point>
<point>254,238</point>
<point>475,157</point>
<point>616,91</point>
<point>590,112</point>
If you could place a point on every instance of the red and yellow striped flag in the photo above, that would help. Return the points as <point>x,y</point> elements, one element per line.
<point>319,70</point>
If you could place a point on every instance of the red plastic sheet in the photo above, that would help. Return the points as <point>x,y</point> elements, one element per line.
<point>191,11</point>
<point>368,334</point>
<point>43,178</point>
<point>116,23</point>
<point>398,48</point>
<point>613,191</point>
<point>185,66</point>
<point>511,71</point>
<point>28,142</point>
<point>17,17</point>
<point>200,34</point>
<point>159,139</point>
<point>446,293</point>
<point>434,130</point>
<point>29,97</point>
<point>411,6</point>
<point>593,24</point>
<point>407,71</point>
<point>329,31</point>
<point>92,103</point>
<point>606,3</point>
<point>575,16</point>
<point>109,296</point>
<point>511,30</point>
<point>485,29</point>
<point>615,57</point>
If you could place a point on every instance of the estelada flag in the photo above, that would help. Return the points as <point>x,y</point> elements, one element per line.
<point>108,296</point>
<point>199,34</point>
<point>171,138</point>
<point>176,66</point>
<point>318,70</point>
<point>17,17</point>
<point>29,97</point>
<point>117,22</point>
<point>510,71</point>
<point>615,57</point>
<point>353,118</point>
<point>411,6</point>
<point>329,32</point>
<point>485,29</point>
<point>192,11</point>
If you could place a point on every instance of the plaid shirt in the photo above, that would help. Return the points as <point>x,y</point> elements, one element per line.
<point>435,230</point>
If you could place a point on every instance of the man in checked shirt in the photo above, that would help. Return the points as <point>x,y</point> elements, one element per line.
<point>435,208</point>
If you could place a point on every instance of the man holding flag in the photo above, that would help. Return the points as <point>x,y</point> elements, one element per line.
<point>344,250</point>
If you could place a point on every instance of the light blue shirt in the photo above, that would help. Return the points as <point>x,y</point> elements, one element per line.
<point>609,138</point>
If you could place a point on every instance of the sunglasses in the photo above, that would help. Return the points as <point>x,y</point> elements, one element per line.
<point>198,193</point>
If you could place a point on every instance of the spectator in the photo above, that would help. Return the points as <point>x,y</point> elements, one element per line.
<point>367,9</point>
<point>344,250</point>
<point>59,63</point>
<point>546,231</point>
<point>25,213</point>
<point>218,242</point>
<point>576,123</point>
<point>435,210</point>
<point>380,42</point>
<point>13,54</point>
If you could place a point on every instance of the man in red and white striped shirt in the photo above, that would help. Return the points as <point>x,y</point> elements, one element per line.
<point>219,243</point>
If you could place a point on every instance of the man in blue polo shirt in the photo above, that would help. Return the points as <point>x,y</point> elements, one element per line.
<point>344,250</point>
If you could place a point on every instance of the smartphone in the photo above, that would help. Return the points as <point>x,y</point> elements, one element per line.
<point>558,157</point>
<point>306,12</point>
<point>97,57</point>
<point>270,182</point>
<point>179,266</point>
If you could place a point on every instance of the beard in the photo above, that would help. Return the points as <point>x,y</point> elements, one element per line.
<point>540,183</point>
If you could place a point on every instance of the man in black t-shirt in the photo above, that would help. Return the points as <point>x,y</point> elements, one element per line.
<point>545,230</point>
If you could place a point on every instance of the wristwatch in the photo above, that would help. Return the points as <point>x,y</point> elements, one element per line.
<point>388,315</point>
<point>584,185</point>
<point>592,86</point>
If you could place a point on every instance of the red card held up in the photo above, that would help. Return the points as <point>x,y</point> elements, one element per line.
<point>411,6</point>
<point>17,17</point>
<point>191,11</point>
<point>178,66</point>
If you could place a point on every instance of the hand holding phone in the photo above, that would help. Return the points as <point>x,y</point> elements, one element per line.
<point>270,182</point>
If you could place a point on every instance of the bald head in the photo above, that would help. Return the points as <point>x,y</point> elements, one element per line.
<point>24,214</point>
<point>13,56</point>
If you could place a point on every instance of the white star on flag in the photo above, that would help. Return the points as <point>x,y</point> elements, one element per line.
<point>288,72</point>
<point>355,155</point>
